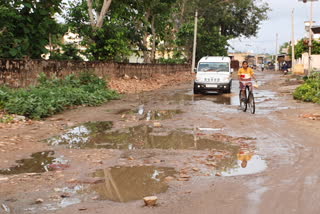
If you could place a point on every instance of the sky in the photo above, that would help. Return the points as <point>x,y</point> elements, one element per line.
<point>279,22</point>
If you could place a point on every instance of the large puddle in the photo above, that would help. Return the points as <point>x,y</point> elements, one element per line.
<point>123,184</point>
<point>148,115</point>
<point>266,101</point>
<point>38,162</point>
<point>138,137</point>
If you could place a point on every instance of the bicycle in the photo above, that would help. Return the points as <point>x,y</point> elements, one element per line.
<point>248,100</point>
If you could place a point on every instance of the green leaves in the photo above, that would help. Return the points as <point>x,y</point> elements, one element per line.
<point>28,25</point>
<point>303,47</point>
<point>13,52</point>
<point>310,90</point>
<point>55,95</point>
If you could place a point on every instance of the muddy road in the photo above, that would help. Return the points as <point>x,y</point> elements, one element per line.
<point>196,153</point>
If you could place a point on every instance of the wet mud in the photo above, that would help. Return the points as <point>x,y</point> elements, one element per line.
<point>37,163</point>
<point>123,184</point>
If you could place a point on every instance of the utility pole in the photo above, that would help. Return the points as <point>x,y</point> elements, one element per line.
<point>276,55</point>
<point>194,42</point>
<point>292,44</point>
<point>310,38</point>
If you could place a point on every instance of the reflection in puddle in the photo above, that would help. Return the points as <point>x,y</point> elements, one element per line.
<point>123,184</point>
<point>138,137</point>
<point>80,137</point>
<point>68,202</point>
<point>39,162</point>
<point>161,114</point>
<point>151,114</point>
<point>245,167</point>
<point>225,99</point>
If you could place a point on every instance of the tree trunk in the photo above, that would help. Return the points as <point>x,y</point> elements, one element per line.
<point>145,51</point>
<point>100,15</point>
<point>104,10</point>
<point>146,57</point>
<point>90,9</point>
<point>153,47</point>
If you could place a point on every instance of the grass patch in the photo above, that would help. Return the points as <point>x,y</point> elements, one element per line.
<point>309,91</point>
<point>53,95</point>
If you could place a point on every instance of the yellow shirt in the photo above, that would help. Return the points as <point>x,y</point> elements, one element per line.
<point>248,71</point>
<point>244,157</point>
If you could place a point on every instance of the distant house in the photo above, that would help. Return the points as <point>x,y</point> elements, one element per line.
<point>68,38</point>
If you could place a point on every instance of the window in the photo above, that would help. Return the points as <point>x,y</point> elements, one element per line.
<point>214,67</point>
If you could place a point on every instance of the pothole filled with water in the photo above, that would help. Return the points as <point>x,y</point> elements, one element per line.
<point>38,162</point>
<point>123,184</point>
<point>138,137</point>
<point>250,164</point>
<point>148,115</point>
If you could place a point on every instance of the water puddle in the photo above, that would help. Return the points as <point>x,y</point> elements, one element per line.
<point>68,196</point>
<point>222,99</point>
<point>143,114</point>
<point>123,184</point>
<point>81,136</point>
<point>246,166</point>
<point>38,162</point>
<point>138,137</point>
<point>161,114</point>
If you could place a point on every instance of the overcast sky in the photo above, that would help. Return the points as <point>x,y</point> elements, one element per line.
<point>279,22</point>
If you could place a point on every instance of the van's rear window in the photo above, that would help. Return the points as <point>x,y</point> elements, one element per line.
<point>213,67</point>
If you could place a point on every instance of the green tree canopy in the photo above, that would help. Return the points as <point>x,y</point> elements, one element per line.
<point>303,47</point>
<point>25,26</point>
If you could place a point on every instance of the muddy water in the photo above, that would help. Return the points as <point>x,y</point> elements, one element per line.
<point>161,114</point>
<point>37,163</point>
<point>266,100</point>
<point>138,137</point>
<point>149,114</point>
<point>123,184</point>
<point>245,167</point>
<point>80,137</point>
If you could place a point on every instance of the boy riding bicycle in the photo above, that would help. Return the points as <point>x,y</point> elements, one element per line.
<point>245,75</point>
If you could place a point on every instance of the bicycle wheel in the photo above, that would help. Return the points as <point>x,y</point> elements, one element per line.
<point>243,103</point>
<point>251,103</point>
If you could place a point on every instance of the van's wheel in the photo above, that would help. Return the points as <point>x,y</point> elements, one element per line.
<point>228,91</point>
<point>195,91</point>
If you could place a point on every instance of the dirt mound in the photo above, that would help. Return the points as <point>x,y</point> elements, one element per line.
<point>127,85</point>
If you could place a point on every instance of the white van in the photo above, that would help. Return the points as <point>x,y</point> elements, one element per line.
<point>213,74</point>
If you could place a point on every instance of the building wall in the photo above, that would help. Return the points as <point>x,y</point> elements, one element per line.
<point>22,73</point>
<point>315,61</point>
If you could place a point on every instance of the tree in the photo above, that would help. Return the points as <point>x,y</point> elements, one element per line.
<point>66,52</point>
<point>220,21</point>
<point>283,46</point>
<point>25,27</point>
<point>113,31</point>
<point>128,25</point>
<point>109,39</point>
<point>303,47</point>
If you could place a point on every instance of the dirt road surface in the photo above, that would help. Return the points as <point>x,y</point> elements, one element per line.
<point>196,153</point>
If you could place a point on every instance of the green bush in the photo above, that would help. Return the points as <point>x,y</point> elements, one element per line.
<point>310,90</point>
<point>55,95</point>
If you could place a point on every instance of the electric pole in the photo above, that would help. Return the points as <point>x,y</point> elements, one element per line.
<point>292,44</point>
<point>310,38</point>
<point>276,55</point>
<point>194,42</point>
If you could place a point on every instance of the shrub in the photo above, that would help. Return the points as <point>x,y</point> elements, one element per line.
<point>310,90</point>
<point>54,95</point>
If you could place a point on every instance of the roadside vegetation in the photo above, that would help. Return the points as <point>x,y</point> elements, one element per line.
<point>310,90</point>
<point>115,30</point>
<point>53,95</point>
